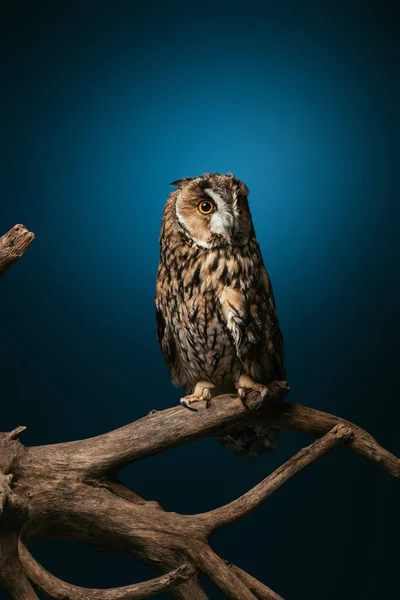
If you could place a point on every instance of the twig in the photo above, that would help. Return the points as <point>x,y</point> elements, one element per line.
<point>242,506</point>
<point>60,590</point>
<point>15,433</point>
<point>308,420</point>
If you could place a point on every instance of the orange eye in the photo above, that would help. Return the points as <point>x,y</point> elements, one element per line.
<point>206,207</point>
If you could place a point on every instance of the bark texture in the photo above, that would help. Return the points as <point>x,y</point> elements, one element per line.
<point>12,246</point>
<point>71,491</point>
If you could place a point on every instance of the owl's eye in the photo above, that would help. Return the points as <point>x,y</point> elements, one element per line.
<point>205,207</point>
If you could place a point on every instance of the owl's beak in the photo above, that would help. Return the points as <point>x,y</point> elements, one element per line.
<point>228,225</point>
<point>223,223</point>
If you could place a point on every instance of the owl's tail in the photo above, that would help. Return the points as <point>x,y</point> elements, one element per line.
<point>251,441</point>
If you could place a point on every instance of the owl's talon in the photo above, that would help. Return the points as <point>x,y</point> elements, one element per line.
<point>247,384</point>
<point>186,403</point>
<point>202,391</point>
<point>264,393</point>
<point>242,394</point>
<point>206,395</point>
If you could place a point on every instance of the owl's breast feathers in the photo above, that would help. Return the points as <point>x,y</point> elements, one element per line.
<point>216,314</point>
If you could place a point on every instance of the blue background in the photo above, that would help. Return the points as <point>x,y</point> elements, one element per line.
<point>102,105</point>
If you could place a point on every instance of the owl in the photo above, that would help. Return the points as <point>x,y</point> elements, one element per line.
<point>215,310</point>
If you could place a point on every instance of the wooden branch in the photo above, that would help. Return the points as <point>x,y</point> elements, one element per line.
<point>5,491</point>
<point>190,590</point>
<point>60,590</point>
<point>68,488</point>
<point>12,574</point>
<point>12,246</point>
<point>218,571</point>
<point>259,589</point>
<point>176,426</point>
<point>237,509</point>
<point>119,489</point>
<point>64,508</point>
<point>15,433</point>
<point>158,431</point>
<point>308,420</point>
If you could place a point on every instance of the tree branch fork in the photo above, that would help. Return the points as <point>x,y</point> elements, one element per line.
<point>71,491</point>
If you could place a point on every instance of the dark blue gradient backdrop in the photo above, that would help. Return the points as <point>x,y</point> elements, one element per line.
<point>102,105</point>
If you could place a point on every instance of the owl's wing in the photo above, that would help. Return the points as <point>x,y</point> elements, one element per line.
<point>271,337</point>
<point>168,347</point>
<point>251,317</point>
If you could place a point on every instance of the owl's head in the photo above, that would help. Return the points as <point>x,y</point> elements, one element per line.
<point>213,210</point>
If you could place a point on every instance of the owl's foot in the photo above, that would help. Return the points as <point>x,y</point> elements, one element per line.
<point>246,384</point>
<point>202,391</point>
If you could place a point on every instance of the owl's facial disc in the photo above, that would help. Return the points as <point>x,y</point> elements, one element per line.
<point>213,211</point>
<point>222,221</point>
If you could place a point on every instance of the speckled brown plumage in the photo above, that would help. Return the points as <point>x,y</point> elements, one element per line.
<point>216,318</point>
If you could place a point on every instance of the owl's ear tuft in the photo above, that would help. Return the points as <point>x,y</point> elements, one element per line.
<point>204,184</point>
<point>181,182</point>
